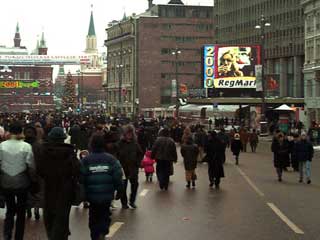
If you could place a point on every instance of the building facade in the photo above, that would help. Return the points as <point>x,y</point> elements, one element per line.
<point>89,79</point>
<point>284,39</point>
<point>25,87</point>
<point>141,67</point>
<point>312,60</point>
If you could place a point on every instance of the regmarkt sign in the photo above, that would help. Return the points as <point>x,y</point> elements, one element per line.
<point>227,66</point>
<point>235,83</point>
<point>18,84</point>
<point>43,60</point>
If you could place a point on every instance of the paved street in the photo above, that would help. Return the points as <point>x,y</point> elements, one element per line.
<point>251,204</point>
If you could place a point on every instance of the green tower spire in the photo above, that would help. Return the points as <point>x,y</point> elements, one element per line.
<point>91,31</point>
<point>17,28</point>
<point>43,41</point>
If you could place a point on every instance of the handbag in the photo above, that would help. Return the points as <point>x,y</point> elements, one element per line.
<point>78,188</point>
<point>78,192</point>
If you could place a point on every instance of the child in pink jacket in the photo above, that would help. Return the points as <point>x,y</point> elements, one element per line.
<point>147,163</point>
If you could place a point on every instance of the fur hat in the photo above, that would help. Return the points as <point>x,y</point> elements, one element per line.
<point>57,133</point>
<point>237,136</point>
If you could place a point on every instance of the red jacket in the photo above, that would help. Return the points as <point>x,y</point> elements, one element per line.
<point>147,163</point>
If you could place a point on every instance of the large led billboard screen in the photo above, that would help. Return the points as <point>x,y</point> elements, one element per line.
<point>230,66</point>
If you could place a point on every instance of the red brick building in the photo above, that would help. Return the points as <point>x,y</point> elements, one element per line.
<point>144,43</point>
<point>25,87</point>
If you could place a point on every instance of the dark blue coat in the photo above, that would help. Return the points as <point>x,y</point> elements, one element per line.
<point>101,175</point>
<point>303,151</point>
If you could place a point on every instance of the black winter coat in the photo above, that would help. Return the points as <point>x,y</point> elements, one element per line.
<point>215,155</point>
<point>281,157</point>
<point>190,154</point>
<point>130,156</point>
<point>303,151</point>
<point>58,166</point>
<point>236,147</point>
<point>164,149</point>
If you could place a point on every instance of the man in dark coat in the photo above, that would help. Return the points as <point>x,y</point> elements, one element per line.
<point>236,147</point>
<point>130,156</point>
<point>280,148</point>
<point>303,151</point>
<point>75,136</point>
<point>165,152</point>
<point>215,153</point>
<point>58,167</point>
<point>224,139</point>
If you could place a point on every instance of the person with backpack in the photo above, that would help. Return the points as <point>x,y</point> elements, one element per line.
<point>101,176</point>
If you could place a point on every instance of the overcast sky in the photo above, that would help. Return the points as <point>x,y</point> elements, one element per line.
<point>66,22</point>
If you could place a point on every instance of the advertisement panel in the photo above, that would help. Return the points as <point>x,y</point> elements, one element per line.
<point>173,88</point>
<point>18,84</point>
<point>230,66</point>
<point>43,60</point>
<point>273,85</point>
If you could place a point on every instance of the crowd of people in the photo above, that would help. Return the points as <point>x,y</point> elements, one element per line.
<point>40,170</point>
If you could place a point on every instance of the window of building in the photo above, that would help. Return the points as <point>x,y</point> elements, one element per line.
<point>26,75</point>
<point>180,12</point>
<point>165,51</point>
<point>195,13</point>
<point>166,26</point>
<point>318,48</point>
<point>309,89</point>
<point>17,75</point>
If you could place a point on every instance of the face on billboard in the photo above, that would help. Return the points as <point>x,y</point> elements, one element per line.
<point>233,66</point>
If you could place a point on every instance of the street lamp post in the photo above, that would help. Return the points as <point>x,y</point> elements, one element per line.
<point>79,98</point>
<point>263,23</point>
<point>119,67</point>
<point>176,52</point>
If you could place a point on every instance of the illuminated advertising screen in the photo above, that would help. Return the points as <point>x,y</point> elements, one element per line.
<point>230,66</point>
<point>18,84</point>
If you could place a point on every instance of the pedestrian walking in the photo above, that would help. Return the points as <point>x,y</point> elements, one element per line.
<point>130,156</point>
<point>236,147</point>
<point>190,152</point>
<point>280,149</point>
<point>215,152</point>
<point>16,177</point>
<point>200,140</point>
<point>147,164</point>
<point>165,153</point>
<point>75,136</point>
<point>294,160</point>
<point>244,138</point>
<point>254,140</point>
<point>303,150</point>
<point>101,176</point>
<point>224,139</point>
<point>35,200</point>
<point>59,167</point>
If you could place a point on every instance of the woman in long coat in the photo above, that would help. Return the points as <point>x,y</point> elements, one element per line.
<point>165,152</point>
<point>215,152</point>
<point>280,148</point>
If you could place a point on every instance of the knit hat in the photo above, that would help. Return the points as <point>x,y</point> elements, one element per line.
<point>15,128</point>
<point>57,133</point>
